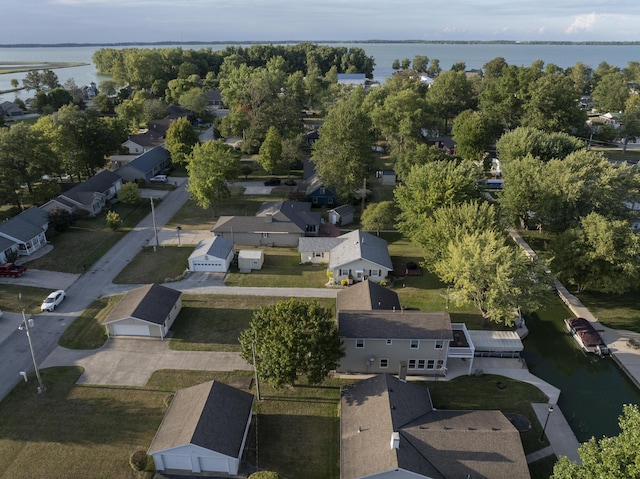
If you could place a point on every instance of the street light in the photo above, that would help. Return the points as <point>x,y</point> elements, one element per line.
<point>26,324</point>
<point>549,411</point>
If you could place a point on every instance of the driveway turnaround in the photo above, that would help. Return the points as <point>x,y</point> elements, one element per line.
<point>131,361</point>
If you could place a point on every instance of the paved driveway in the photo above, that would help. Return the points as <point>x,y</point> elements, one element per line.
<point>254,187</point>
<point>130,361</point>
<point>43,279</point>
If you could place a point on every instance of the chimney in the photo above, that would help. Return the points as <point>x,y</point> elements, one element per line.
<point>395,440</point>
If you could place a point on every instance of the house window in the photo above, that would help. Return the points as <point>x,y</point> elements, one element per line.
<point>430,363</point>
<point>411,364</point>
<point>384,363</point>
<point>439,344</point>
<point>415,344</point>
<point>359,343</point>
<point>421,363</point>
<point>322,191</point>
<point>440,364</point>
<point>343,272</point>
<point>317,255</point>
<point>374,272</point>
<point>314,201</point>
<point>330,201</point>
<point>389,342</point>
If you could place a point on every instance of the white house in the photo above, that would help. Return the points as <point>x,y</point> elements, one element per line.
<point>360,256</point>
<point>249,259</point>
<point>212,255</point>
<point>204,430</point>
<point>23,234</point>
<point>146,311</point>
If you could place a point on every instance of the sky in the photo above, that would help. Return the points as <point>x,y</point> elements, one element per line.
<point>119,21</point>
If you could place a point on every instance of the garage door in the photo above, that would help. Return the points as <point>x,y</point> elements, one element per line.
<point>174,461</point>
<point>217,267</point>
<point>130,330</point>
<point>211,464</point>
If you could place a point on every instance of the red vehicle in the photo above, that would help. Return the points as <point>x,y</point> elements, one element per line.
<point>12,269</point>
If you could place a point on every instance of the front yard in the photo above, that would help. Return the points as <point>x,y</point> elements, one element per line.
<point>159,266</point>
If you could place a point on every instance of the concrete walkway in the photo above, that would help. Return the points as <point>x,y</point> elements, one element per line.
<point>561,437</point>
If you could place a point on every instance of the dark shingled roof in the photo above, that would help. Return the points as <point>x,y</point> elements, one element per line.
<point>25,226</point>
<point>272,217</point>
<point>151,303</point>
<point>83,193</point>
<point>150,159</point>
<point>432,443</point>
<point>210,415</point>
<point>367,295</point>
<point>383,324</point>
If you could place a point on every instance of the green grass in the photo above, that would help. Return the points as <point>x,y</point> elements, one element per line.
<point>89,239</point>
<point>32,298</point>
<point>155,266</point>
<point>281,269</point>
<point>87,330</point>
<point>543,468</point>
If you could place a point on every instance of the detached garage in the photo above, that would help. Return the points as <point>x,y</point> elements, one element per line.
<point>146,311</point>
<point>204,430</point>
<point>212,255</point>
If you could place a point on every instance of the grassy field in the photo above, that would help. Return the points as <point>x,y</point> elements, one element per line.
<point>17,67</point>
<point>14,297</point>
<point>87,331</point>
<point>88,239</point>
<point>150,266</point>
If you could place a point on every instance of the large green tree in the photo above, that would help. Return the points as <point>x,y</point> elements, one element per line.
<point>523,187</point>
<point>611,93</point>
<point>270,155</point>
<point>290,339</point>
<point>451,94</point>
<point>525,141</point>
<point>180,140</point>
<point>474,133</point>
<point>379,216</point>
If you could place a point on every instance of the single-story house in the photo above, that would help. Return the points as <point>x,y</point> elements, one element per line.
<point>387,177</point>
<point>317,250</point>
<point>91,195</point>
<point>213,255</point>
<point>354,79</point>
<point>145,141</point>
<point>149,310</point>
<point>443,143</point>
<point>389,429</point>
<point>24,233</point>
<point>249,259</point>
<point>10,109</point>
<point>367,296</point>
<point>342,215</point>
<point>175,111</point>
<point>146,166</point>
<point>277,223</point>
<point>204,430</point>
<point>360,256</point>
<point>214,100</point>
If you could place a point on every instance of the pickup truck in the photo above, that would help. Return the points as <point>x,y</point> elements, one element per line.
<point>12,269</point>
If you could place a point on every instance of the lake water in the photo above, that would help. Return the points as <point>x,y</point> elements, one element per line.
<point>474,56</point>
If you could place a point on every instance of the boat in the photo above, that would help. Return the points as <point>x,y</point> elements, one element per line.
<point>586,336</point>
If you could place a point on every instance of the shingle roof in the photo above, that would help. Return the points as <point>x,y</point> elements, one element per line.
<point>216,246</point>
<point>211,415</point>
<point>150,159</point>
<point>35,216</point>
<point>367,295</point>
<point>83,193</point>
<point>272,217</point>
<point>20,229</point>
<point>309,244</point>
<point>360,245</point>
<point>384,324</point>
<point>151,303</point>
<point>432,443</point>
<point>343,210</point>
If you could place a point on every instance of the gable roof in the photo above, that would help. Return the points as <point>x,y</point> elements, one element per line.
<point>432,443</point>
<point>211,415</point>
<point>215,246</point>
<point>318,243</point>
<point>360,245</point>
<point>83,193</point>
<point>26,225</point>
<point>151,303</point>
<point>365,296</point>
<point>150,159</point>
<point>36,216</point>
<point>385,324</point>
<point>342,210</point>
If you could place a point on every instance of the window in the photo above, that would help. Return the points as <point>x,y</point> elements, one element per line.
<point>439,344</point>
<point>430,363</point>
<point>359,343</point>
<point>415,344</point>
<point>420,363</point>
<point>440,364</point>
<point>317,255</point>
<point>411,364</point>
<point>389,342</point>
<point>384,363</point>
<point>373,272</point>
<point>343,272</point>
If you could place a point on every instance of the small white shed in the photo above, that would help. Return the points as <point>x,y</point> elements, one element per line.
<point>212,255</point>
<point>342,215</point>
<point>249,259</point>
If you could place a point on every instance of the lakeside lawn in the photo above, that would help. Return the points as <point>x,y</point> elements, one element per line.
<point>159,266</point>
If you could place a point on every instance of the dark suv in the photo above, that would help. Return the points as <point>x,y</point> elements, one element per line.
<point>272,182</point>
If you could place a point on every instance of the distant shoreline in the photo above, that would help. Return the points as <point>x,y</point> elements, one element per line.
<point>281,42</point>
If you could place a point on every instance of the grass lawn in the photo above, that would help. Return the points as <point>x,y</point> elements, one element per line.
<point>88,239</point>
<point>214,322</point>
<point>87,331</point>
<point>31,298</point>
<point>281,269</point>
<point>150,266</point>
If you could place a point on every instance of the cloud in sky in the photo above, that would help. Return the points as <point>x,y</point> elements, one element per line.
<point>55,21</point>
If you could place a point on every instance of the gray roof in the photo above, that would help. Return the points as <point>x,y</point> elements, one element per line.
<point>384,324</point>
<point>360,245</point>
<point>211,415</point>
<point>343,210</point>
<point>148,138</point>
<point>5,244</point>
<point>434,444</point>
<point>272,217</point>
<point>151,303</point>
<point>35,216</point>
<point>150,159</point>
<point>83,193</point>
<point>318,244</point>
<point>176,111</point>
<point>367,295</point>
<point>21,227</point>
<point>216,246</point>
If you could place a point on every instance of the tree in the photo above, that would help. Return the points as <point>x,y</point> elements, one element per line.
<point>103,103</point>
<point>493,69</point>
<point>113,220</point>
<point>420,63</point>
<point>615,456</point>
<point>153,109</point>
<point>195,100</point>
<point>473,133</point>
<point>450,94</point>
<point>611,93</point>
<point>211,165</point>
<point>180,140</point>
<point>292,338</point>
<point>60,219</point>
<point>129,193</point>
<point>523,141</point>
<point>523,186</point>
<point>342,155</point>
<point>270,156</point>
<point>396,64</point>
<point>418,155</point>
<point>406,63</point>
<point>44,191</point>
<point>379,216</point>
<point>108,87</point>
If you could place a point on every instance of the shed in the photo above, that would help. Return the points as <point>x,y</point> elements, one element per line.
<point>212,255</point>
<point>204,430</point>
<point>342,215</point>
<point>249,259</point>
<point>387,177</point>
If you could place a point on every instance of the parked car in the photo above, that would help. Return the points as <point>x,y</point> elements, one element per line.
<point>272,182</point>
<point>12,269</point>
<point>159,179</point>
<point>53,300</point>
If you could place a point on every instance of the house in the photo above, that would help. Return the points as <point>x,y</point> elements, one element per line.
<point>277,223</point>
<point>91,195</point>
<point>389,428</point>
<point>204,430</point>
<point>360,256</point>
<point>387,177</point>
<point>214,100</point>
<point>141,142</point>
<point>426,80</point>
<point>10,109</point>
<point>443,143</point>
<point>314,188</point>
<point>249,259</point>
<point>342,215</point>
<point>367,296</point>
<point>146,166</point>
<point>317,250</point>
<point>353,79</point>
<point>175,111</point>
<point>23,234</point>
<point>212,255</point>
<point>89,92</point>
<point>146,311</point>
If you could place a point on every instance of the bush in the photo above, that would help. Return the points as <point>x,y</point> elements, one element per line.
<point>344,282</point>
<point>113,220</point>
<point>265,475</point>
<point>138,460</point>
<point>383,283</point>
<point>129,193</point>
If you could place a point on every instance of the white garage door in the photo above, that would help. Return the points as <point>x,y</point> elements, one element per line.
<point>174,461</point>
<point>211,464</point>
<point>211,267</point>
<point>130,330</point>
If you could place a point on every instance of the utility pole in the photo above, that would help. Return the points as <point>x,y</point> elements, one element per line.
<point>255,369</point>
<point>155,228</point>
<point>26,324</point>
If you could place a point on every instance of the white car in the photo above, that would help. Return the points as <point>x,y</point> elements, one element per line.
<point>53,300</point>
<point>159,179</point>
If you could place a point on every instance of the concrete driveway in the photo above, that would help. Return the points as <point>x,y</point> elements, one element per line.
<point>43,279</point>
<point>131,361</point>
<point>254,187</point>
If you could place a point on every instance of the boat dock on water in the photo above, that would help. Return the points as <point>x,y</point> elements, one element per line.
<point>586,336</point>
